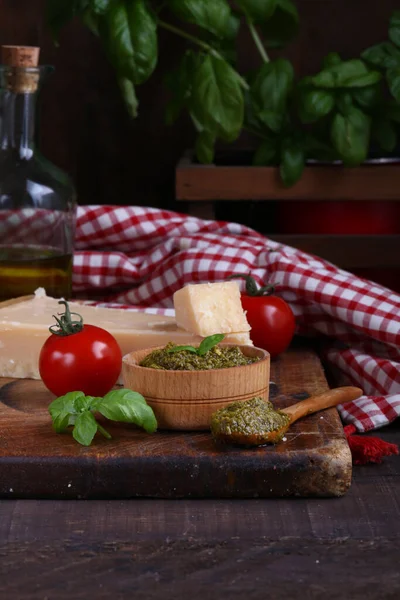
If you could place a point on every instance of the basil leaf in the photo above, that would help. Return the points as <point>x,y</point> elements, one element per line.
<point>129,33</point>
<point>181,348</point>
<point>384,132</point>
<point>394,28</point>
<point>251,119</point>
<point>292,162</point>
<point>283,24</point>
<point>212,15</point>
<point>85,428</point>
<point>331,60</point>
<point>217,101</point>
<point>365,80</point>
<point>99,7</point>
<point>93,402</point>
<point>209,342</point>
<point>129,95</point>
<point>128,407</point>
<point>258,10</point>
<point>226,46</point>
<point>344,103</point>
<point>65,404</point>
<point>91,20</point>
<point>266,153</point>
<point>384,55</point>
<point>61,421</point>
<point>367,97</point>
<point>143,33</point>
<point>315,104</point>
<point>205,146</point>
<point>179,82</point>
<point>393,79</point>
<point>351,73</point>
<point>319,150</point>
<point>84,403</point>
<point>122,394</point>
<point>197,125</point>
<point>270,89</point>
<point>273,120</point>
<point>272,84</point>
<point>350,136</point>
<point>232,27</point>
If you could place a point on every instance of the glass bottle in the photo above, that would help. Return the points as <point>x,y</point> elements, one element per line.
<point>37,200</point>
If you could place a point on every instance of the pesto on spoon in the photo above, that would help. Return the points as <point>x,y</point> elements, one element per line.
<point>255,422</point>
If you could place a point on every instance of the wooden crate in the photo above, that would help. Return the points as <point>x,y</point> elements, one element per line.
<point>201,185</point>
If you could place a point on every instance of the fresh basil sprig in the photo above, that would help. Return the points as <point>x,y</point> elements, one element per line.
<point>335,114</point>
<point>206,345</point>
<point>77,411</point>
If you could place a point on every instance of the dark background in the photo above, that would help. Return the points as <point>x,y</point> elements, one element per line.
<point>84,126</point>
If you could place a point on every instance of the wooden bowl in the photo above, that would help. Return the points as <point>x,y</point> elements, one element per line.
<point>185,400</point>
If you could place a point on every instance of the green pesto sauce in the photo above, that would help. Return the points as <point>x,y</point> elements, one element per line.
<point>251,417</point>
<point>183,360</point>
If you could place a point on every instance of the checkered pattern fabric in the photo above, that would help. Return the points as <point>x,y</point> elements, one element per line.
<point>39,225</point>
<point>139,257</point>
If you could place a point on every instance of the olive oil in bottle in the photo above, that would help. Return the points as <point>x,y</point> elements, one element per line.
<point>37,200</point>
<point>23,270</point>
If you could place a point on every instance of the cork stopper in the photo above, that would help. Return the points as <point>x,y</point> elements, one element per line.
<point>21,58</point>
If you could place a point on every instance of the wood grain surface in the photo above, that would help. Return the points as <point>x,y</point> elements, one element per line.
<point>331,549</point>
<point>203,183</point>
<point>313,569</point>
<point>313,460</point>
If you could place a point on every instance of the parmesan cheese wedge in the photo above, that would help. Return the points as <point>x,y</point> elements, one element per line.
<point>25,322</point>
<point>208,308</point>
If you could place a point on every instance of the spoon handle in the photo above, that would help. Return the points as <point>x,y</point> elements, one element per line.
<point>326,400</point>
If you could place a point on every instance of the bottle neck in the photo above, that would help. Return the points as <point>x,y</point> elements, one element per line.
<point>17,123</point>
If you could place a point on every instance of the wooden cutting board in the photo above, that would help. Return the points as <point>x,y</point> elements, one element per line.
<point>35,462</point>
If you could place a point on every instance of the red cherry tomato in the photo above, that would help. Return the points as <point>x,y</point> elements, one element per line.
<point>270,317</point>
<point>271,320</point>
<point>88,361</point>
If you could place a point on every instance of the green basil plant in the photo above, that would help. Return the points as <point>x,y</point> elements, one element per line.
<point>335,114</point>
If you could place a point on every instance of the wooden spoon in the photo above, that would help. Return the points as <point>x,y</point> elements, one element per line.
<point>296,411</point>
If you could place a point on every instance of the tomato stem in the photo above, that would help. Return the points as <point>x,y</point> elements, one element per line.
<point>65,324</point>
<point>252,288</point>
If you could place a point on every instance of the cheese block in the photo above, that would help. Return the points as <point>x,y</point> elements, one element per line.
<point>208,308</point>
<point>25,322</point>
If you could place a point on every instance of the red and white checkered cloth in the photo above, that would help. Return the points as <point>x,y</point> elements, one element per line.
<point>141,256</point>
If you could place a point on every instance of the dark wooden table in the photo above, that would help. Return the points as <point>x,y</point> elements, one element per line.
<point>152,549</point>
